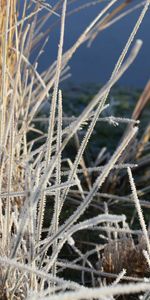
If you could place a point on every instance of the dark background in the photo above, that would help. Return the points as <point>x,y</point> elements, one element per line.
<point>96,63</point>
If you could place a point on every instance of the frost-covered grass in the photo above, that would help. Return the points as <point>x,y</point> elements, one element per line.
<point>37,178</point>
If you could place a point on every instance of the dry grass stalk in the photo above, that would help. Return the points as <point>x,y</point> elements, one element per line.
<point>7,56</point>
<point>124,254</point>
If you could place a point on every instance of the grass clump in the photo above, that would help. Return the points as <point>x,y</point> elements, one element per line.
<point>38,180</point>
